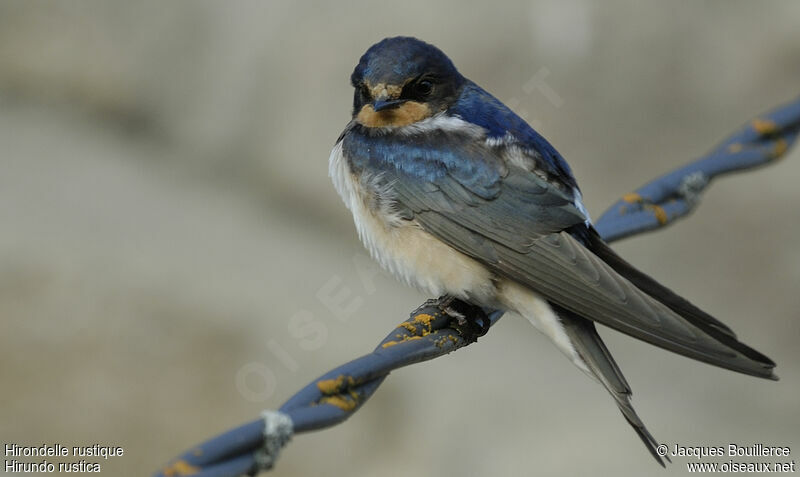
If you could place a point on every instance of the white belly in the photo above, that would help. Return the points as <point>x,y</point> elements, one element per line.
<point>406,251</point>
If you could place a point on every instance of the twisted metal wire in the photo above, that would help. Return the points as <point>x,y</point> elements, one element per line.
<point>430,333</point>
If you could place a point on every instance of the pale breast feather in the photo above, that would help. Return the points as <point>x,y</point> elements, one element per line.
<point>399,245</point>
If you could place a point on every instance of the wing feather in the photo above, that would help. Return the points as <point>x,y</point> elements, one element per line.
<point>517,223</point>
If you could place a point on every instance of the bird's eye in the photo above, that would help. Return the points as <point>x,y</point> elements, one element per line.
<point>423,88</point>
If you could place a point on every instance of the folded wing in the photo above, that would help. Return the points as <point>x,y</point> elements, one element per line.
<point>518,224</point>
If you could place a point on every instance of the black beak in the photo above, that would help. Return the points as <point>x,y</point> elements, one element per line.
<point>384,104</point>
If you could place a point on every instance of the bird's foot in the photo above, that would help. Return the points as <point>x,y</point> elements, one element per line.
<point>469,320</point>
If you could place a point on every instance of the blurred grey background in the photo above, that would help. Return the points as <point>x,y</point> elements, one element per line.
<point>173,258</point>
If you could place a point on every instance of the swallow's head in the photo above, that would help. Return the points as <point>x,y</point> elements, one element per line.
<point>402,80</point>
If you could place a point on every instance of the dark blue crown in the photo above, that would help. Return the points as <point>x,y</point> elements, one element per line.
<point>394,60</point>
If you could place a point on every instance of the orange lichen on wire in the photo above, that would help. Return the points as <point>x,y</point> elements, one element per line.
<point>180,467</point>
<point>632,198</point>
<point>781,146</point>
<point>336,385</point>
<point>423,321</point>
<point>347,402</point>
<point>764,126</point>
<point>407,325</point>
<point>402,339</point>
<point>659,212</point>
<point>445,339</point>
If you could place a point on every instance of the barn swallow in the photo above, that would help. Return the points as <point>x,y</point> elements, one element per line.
<point>455,194</point>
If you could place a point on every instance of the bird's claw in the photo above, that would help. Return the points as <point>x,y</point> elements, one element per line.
<point>469,320</point>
